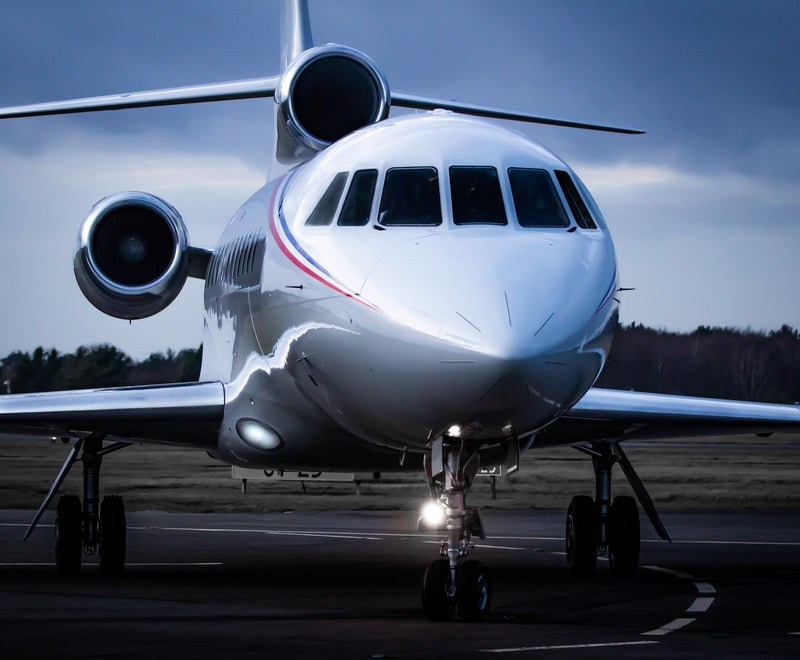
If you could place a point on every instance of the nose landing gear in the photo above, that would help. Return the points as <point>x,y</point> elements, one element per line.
<point>452,584</point>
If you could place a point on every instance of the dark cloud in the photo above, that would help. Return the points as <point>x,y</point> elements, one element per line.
<point>712,82</point>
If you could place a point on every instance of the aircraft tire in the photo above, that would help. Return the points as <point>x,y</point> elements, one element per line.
<point>68,531</point>
<point>581,535</point>
<point>473,591</point>
<point>113,533</point>
<point>624,540</point>
<point>436,604</point>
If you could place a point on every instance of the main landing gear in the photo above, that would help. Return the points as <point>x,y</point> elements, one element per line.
<point>606,528</point>
<point>90,527</point>
<point>454,584</point>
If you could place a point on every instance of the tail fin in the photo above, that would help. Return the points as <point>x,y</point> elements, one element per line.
<point>295,30</point>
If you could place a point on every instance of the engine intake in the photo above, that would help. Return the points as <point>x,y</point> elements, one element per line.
<point>328,92</point>
<point>132,257</point>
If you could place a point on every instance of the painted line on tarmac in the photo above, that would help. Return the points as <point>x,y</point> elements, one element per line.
<point>18,564</point>
<point>704,600</point>
<point>704,588</point>
<point>477,545</point>
<point>699,605</point>
<point>267,532</point>
<point>675,624</point>
<point>564,647</point>
<point>669,571</point>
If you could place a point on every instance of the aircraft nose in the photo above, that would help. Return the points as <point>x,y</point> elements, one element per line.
<point>494,295</point>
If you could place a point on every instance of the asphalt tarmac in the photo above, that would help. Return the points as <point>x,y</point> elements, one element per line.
<point>323,585</point>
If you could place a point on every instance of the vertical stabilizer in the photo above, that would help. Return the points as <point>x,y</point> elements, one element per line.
<point>295,30</point>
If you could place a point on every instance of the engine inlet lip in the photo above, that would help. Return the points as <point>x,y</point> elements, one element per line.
<point>284,92</point>
<point>152,203</point>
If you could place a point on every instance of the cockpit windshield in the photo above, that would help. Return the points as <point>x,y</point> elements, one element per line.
<point>535,198</point>
<point>411,198</point>
<point>476,196</point>
<point>358,203</point>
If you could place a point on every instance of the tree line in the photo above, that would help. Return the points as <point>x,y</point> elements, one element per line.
<point>94,366</point>
<point>714,362</point>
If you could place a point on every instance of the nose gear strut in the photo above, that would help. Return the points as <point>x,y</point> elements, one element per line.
<point>453,584</point>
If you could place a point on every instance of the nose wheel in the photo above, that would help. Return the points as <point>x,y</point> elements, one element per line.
<point>453,585</point>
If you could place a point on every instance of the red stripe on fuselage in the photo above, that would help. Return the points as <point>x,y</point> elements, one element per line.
<point>291,257</point>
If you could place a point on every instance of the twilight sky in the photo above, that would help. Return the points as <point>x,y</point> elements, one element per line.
<point>704,208</point>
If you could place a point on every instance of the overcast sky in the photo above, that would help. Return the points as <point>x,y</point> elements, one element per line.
<point>704,209</point>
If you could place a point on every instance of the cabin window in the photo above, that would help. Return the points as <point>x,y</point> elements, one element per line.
<point>326,207</point>
<point>358,203</point>
<point>575,201</point>
<point>411,198</point>
<point>476,196</point>
<point>535,199</point>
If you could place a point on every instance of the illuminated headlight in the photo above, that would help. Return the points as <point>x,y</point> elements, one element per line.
<point>258,435</point>
<point>433,515</point>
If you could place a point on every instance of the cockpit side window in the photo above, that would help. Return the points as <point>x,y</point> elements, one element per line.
<point>323,212</point>
<point>358,203</point>
<point>411,198</point>
<point>476,196</point>
<point>535,198</point>
<point>575,201</point>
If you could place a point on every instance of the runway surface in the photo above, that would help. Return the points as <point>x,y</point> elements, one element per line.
<point>347,585</point>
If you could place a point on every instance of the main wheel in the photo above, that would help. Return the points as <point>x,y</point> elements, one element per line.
<point>623,537</point>
<point>473,591</point>
<point>581,535</point>
<point>112,535</point>
<point>69,528</point>
<point>436,601</point>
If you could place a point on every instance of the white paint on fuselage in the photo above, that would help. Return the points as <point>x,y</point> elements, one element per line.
<point>486,327</point>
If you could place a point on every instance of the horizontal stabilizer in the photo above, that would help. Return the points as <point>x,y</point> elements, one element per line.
<point>405,100</point>
<point>227,91</point>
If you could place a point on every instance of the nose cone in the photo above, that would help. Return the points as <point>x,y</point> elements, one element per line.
<point>505,294</point>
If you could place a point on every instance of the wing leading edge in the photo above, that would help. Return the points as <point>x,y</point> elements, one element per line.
<point>186,414</point>
<point>604,414</point>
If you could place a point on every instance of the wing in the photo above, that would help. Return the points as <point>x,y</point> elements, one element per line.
<point>620,415</point>
<point>184,414</point>
<point>227,91</point>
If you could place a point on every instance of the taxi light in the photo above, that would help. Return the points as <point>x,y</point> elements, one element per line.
<point>433,515</point>
<point>454,431</point>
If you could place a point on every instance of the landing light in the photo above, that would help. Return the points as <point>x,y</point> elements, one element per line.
<point>454,431</point>
<point>433,515</point>
<point>258,435</point>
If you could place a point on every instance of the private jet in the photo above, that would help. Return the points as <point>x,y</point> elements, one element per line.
<point>432,292</point>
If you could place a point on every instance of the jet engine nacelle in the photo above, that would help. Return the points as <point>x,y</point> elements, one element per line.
<point>132,257</point>
<point>328,92</point>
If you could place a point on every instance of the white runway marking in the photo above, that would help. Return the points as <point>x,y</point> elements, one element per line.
<point>127,564</point>
<point>669,627</point>
<point>561,647</point>
<point>699,605</point>
<point>491,547</point>
<point>268,532</point>
<point>704,588</point>
<point>669,571</point>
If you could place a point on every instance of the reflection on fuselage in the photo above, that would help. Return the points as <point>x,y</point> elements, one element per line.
<point>422,273</point>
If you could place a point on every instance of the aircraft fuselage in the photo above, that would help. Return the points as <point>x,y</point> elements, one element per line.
<point>347,307</point>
